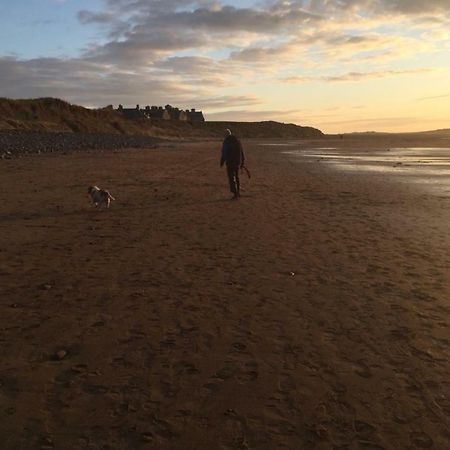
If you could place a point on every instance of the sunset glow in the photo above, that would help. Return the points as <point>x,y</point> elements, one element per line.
<point>341,66</point>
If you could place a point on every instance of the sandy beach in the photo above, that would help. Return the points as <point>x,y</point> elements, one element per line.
<point>313,313</point>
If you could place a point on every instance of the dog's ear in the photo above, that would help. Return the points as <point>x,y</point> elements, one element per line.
<point>89,189</point>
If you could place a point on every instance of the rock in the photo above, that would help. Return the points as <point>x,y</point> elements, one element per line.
<point>14,143</point>
<point>147,437</point>
<point>60,354</point>
<point>47,443</point>
<point>79,368</point>
<point>10,411</point>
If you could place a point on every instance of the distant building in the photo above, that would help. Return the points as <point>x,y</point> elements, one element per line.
<point>176,113</point>
<point>132,113</point>
<point>159,113</point>
<point>194,116</point>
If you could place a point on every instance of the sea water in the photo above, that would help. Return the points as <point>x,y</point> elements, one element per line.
<point>426,166</point>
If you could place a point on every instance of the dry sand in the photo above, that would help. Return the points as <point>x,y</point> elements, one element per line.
<point>311,314</point>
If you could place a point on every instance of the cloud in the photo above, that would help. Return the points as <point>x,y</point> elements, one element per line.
<point>84,82</point>
<point>91,83</point>
<point>143,30</point>
<point>412,6</point>
<point>194,70</point>
<point>188,64</point>
<point>356,76</point>
<point>208,15</point>
<point>382,7</point>
<point>138,29</point>
<point>88,17</point>
<point>228,101</point>
<point>175,51</point>
<point>392,123</point>
<point>434,97</point>
<point>291,115</point>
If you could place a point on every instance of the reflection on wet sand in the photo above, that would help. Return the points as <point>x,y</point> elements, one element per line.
<point>427,166</point>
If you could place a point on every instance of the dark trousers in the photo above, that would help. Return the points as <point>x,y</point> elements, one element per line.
<point>233,179</point>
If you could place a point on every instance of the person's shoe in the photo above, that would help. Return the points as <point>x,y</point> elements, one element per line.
<point>235,197</point>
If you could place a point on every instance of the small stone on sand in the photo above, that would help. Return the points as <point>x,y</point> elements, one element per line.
<point>61,354</point>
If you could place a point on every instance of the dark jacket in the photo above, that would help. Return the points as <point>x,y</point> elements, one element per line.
<point>232,152</point>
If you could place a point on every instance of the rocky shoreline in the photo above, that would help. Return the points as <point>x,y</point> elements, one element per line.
<point>16,143</point>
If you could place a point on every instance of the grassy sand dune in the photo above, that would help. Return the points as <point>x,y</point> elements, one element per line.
<point>49,114</point>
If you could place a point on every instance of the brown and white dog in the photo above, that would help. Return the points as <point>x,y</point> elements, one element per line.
<point>99,196</point>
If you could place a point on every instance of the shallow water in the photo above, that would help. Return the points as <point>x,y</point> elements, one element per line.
<point>425,166</point>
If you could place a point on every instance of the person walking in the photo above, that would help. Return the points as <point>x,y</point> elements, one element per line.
<point>233,156</point>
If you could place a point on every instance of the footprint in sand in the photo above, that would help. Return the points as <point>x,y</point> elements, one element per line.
<point>339,388</point>
<point>184,367</point>
<point>168,343</point>
<point>227,372</point>
<point>160,392</point>
<point>249,372</point>
<point>155,437</point>
<point>234,431</point>
<point>363,429</point>
<point>421,440</point>
<point>367,445</point>
<point>398,308</point>
<point>121,362</point>
<point>94,389</point>
<point>363,370</point>
<point>238,346</point>
<point>400,332</point>
<point>162,428</point>
<point>404,417</point>
<point>168,390</point>
<point>209,389</point>
<point>286,384</point>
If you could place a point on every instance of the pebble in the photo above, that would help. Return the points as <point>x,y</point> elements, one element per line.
<point>15,143</point>
<point>47,443</point>
<point>147,437</point>
<point>79,368</point>
<point>61,354</point>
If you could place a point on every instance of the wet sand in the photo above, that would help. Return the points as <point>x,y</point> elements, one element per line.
<point>311,314</point>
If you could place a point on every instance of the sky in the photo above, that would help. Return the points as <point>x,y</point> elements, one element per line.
<point>337,65</point>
